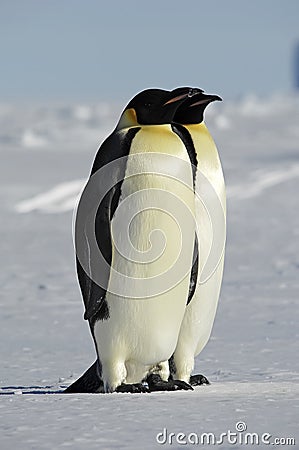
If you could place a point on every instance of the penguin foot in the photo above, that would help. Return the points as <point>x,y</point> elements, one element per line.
<point>133,388</point>
<point>155,383</point>
<point>197,380</point>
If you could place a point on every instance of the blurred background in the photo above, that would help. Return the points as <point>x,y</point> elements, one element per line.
<point>95,50</point>
<point>68,68</point>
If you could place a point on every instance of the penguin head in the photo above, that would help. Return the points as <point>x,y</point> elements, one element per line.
<point>153,107</point>
<point>191,111</point>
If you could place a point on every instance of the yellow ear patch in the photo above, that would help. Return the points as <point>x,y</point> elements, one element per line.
<point>128,119</point>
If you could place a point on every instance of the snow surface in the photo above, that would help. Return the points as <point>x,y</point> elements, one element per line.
<point>252,358</point>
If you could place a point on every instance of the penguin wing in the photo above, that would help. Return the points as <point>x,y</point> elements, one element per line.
<point>194,271</point>
<point>186,138</point>
<point>114,148</point>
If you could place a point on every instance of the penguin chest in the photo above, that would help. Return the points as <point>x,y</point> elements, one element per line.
<point>210,212</point>
<point>210,207</point>
<point>153,237</point>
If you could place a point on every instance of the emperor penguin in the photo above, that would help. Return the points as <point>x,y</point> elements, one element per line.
<point>134,311</point>
<point>207,271</point>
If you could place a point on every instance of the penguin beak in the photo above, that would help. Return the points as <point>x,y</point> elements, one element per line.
<point>189,93</point>
<point>207,99</point>
<point>176,99</point>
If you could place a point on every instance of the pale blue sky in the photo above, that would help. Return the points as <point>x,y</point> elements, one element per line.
<point>86,50</point>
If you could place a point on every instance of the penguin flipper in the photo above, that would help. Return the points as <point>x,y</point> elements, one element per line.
<point>194,271</point>
<point>108,170</point>
<point>93,221</point>
<point>89,382</point>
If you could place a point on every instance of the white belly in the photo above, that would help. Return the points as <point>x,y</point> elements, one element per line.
<point>153,238</point>
<point>210,217</point>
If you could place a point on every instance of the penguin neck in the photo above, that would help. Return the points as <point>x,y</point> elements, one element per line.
<point>196,126</point>
<point>196,129</point>
<point>128,119</point>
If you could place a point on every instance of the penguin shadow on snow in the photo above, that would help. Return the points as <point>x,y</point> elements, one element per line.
<point>32,390</point>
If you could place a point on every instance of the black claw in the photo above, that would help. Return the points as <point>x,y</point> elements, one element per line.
<point>133,388</point>
<point>155,383</point>
<point>183,385</point>
<point>197,380</point>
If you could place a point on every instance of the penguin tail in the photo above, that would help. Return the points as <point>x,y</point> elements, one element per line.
<point>88,383</point>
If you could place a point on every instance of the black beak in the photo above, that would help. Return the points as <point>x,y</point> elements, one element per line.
<point>205,99</point>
